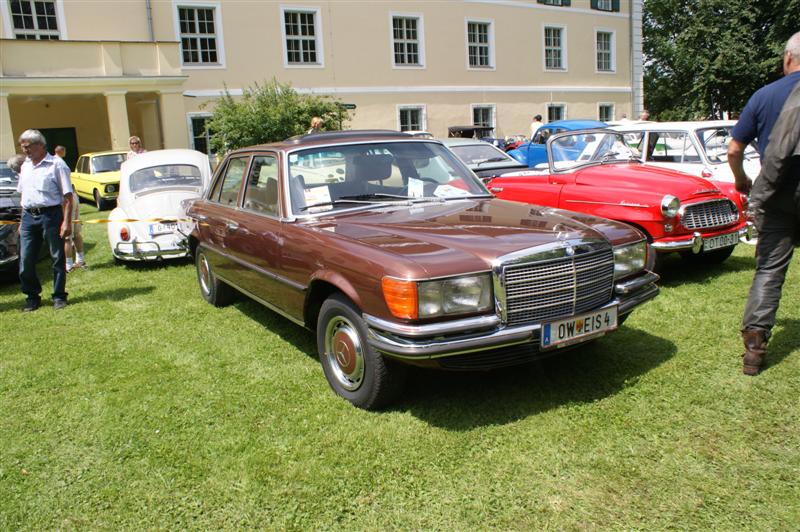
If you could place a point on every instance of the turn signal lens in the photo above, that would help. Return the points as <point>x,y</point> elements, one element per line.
<point>124,234</point>
<point>401,297</point>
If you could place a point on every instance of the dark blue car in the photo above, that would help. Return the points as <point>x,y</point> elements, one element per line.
<point>535,152</point>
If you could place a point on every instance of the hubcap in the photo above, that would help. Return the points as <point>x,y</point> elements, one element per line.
<point>345,353</point>
<point>205,275</point>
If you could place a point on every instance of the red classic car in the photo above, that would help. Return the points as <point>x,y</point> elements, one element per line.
<point>596,172</point>
<point>393,251</point>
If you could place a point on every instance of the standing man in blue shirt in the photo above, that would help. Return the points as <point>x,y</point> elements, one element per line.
<point>46,197</point>
<point>776,222</point>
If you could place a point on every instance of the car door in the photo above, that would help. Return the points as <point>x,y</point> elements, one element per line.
<point>219,219</point>
<point>78,177</point>
<point>258,240</point>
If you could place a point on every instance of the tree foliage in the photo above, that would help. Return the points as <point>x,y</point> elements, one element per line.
<point>269,113</point>
<point>706,57</point>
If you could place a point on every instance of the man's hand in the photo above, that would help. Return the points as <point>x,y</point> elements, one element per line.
<point>66,229</point>
<point>744,185</point>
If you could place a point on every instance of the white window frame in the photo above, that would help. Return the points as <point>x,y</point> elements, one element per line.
<point>317,36</point>
<point>490,22</point>
<point>217,7</point>
<point>609,8</point>
<point>190,129</point>
<point>8,23</point>
<point>613,110</point>
<point>420,38</point>
<point>613,50</point>
<point>423,115</point>
<point>491,106</point>
<point>564,54</point>
<point>563,105</point>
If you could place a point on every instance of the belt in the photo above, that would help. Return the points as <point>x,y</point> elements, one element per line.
<point>36,211</point>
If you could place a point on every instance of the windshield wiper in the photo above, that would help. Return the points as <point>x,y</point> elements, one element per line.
<point>375,195</point>
<point>333,202</point>
<point>493,160</point>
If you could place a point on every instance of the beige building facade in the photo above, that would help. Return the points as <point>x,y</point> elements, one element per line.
<point>90,74</point>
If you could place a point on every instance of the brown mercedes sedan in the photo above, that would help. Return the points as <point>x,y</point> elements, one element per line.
<point>394,253</point>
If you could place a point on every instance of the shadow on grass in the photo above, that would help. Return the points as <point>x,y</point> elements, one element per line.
<point>783,342</point>
<point>464,401</point>
<point>287,330</point>
<point>142,265</point>
<point>117,294</point>
<point>676,272</point>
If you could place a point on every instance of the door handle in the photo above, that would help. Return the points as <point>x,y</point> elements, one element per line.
<point>200,217</point>
<point>232,226</point>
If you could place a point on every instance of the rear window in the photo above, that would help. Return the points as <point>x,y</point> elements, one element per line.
<point>165,176</point>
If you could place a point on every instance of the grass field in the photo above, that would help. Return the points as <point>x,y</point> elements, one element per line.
<point>141,406</point>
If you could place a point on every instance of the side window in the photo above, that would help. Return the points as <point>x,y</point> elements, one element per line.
<point>81,166</point>
<point>672,148</point>
<point>261,193</point>
<point>232,182</point>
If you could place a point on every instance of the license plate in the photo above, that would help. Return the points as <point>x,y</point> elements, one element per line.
<point>575,329</point>
<point>721,241</point>
<point>160,229</point>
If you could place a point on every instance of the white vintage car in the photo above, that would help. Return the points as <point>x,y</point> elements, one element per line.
<point>697,148</point>
<point>149,221</point>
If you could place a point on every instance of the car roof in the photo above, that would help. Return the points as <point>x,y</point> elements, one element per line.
<point>108,152</point>
<point>576,124</point>
<point>333,137</point>
<point>680,126</point>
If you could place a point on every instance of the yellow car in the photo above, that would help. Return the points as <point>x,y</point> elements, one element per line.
<point>96,177</point>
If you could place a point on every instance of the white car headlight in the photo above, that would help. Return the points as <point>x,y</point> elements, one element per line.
<point>670,206</point>
<point>459,295</point>
<point>629,259</point>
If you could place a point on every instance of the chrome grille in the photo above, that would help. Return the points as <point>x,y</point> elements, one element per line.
<point>556,288</point>
<point>709,214</point>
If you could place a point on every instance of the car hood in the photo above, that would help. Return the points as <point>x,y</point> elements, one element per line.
<point>471,233</point>
<point>646,180</point>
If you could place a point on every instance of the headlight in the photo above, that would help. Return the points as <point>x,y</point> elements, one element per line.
<point>443,297</point>
<point>110,189</point>
<point>629,259</point>
<point>670,205</point>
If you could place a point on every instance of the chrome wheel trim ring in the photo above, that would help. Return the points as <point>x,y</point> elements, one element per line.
<point>205,275</point>
<point>345,353</point>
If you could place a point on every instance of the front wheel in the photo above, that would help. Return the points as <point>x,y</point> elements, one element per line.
<point>102,205</point>
<point>708,257</point>
<point>352,367</point>
<point>212,289</point>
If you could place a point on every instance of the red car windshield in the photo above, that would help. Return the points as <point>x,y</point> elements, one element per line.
<point>568,151</point>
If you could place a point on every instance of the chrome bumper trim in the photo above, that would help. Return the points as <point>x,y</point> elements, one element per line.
<point>148,250</point>
<point>695,242</point>
<point>417,348</point>
<point>632,285</point>
<point>433,329</point>
<point>8,260</point>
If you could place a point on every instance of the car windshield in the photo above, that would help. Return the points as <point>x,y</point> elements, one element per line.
<point>7,176</point>
<point>475,154</point>
<point>715,142</point>
<point>572,150</point>
<point>107,163</point>
<point>168,175</point>
<point>332,177</point>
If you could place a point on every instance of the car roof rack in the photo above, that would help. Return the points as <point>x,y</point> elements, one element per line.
<point>351,133</point>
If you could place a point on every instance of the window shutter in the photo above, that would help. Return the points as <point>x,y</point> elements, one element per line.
<point>614,5</point>
<point>566,3</point>
<point>594,4</point>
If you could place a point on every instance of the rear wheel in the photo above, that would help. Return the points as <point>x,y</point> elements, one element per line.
<point>352,367</point>
<point>212,289</point>
<point>708,257</point>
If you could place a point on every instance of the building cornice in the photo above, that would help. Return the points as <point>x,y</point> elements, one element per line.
<point>215,93</point>
<point>9,83</point>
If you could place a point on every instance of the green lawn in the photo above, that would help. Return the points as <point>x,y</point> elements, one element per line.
<point>140,406</point>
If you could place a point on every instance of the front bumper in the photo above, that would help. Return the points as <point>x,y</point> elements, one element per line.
<point>135,251</point>
<point>694,242</point>
<point>471,335</point>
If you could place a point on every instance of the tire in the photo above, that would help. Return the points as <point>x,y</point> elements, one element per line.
<point>717,256</point>
<point>212,289</point>
<point>352,367</point>
<point>102,205</point>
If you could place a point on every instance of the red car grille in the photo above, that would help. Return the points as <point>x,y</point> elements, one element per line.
<point>710,214</point>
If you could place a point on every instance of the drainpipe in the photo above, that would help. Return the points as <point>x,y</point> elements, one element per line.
<point>150,20</point>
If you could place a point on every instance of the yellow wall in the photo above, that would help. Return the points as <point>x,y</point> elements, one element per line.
<point>87,114</point>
